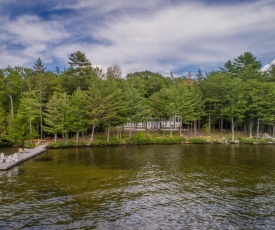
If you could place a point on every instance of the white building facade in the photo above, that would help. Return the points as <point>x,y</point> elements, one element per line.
<point>174,123</point>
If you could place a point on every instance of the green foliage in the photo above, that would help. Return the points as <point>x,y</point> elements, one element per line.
<point>254,141</point>
<point>206,128</point>
<point>57,145</point>
<point>79,59</point>
<point>29,145</point>
<point>82,101</point>
<point>140,139</point>
<point>39,66</point>
<point>197,140</point>
<point>56,114</point>
<point>143,139</point>
<point>148,82</point>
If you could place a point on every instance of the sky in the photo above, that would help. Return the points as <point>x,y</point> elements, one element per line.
<point>162,36</point>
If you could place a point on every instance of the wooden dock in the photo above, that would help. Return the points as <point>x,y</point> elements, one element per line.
<point>24,156</point>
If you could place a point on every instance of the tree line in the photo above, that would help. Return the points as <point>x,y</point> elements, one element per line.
<point>82,100</point>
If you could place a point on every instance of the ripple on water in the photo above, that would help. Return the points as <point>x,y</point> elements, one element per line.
<point>156,191</point>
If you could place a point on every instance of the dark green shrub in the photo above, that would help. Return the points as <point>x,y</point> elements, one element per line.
<point>29,145</point>
<point>70,143</point>
<point>115,142</point>
<point>253,140</point>
<point>82,144</point>
<point>140,139</point>
<point>57,145</point>
<point>99,143</point>
<point>195,140</point>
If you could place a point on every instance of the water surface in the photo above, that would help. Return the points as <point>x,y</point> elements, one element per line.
<point>142,187</point>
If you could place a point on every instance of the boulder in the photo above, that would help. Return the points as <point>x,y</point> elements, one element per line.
<point>267,136</point>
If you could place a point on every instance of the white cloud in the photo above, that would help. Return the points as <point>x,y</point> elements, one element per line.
<point>265,68</point>
<point>268,66</point>
<point>155,35</point>
<point>31,37</point>
<point>29,29</point>
<point>184,35</point>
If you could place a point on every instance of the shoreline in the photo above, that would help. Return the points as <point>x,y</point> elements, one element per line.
<point>62,145</point>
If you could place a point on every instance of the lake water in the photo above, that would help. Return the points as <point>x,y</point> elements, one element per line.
<point>142,187</point>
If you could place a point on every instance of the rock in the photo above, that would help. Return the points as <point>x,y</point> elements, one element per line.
<point>236,141</point>
<point>267,136</point>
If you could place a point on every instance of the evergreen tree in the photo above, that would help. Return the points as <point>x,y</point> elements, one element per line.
<point>77,118</point>
<point>55,115</point>
<point>3,123</point>
<point>115,111</point>
<point>11,85</point>
<point>79,75</point>
<point>138,108</point>
<point>39,66</point>
<point>234,104</point>
<point>78,59</point>
<point>29,110</point>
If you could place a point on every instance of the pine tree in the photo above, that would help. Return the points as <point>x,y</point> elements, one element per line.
<point>29,108</point>
<point>138,108</point>
<point>39,66</point>
<point>55,115</point>
<point>77,118</point>
<point>78,59</point>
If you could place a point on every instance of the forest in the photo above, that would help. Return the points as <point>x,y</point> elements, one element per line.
<point>83,100</point>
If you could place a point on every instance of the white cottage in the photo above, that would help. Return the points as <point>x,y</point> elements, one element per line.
<point>175,123</point>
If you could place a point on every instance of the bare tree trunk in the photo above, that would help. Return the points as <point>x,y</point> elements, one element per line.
<point>92,136</point>
<point>258,128</point>
<point>273,129</point>
<point>11,100</point>
<point>66,137</point>
<point>130,132</point>
<point>55,137</point>
<point>250,127</point>
<point>30,131</point>
<point>77,138</point>
<point>170,128</point>
<point>232,129</point>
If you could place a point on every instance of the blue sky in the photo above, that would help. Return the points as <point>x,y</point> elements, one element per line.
<point>156,35</point>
